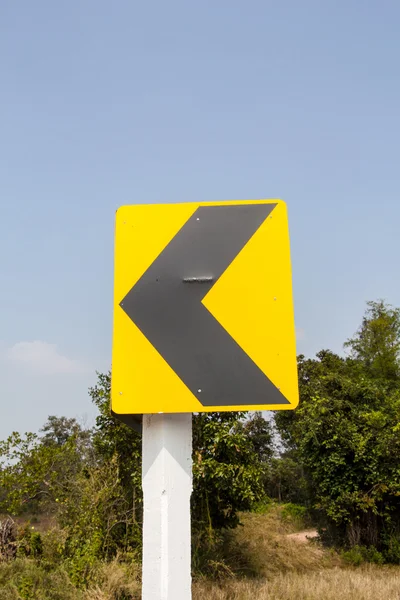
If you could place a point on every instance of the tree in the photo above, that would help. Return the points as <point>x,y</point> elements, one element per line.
<point>285,480</point>
<point>90,480</point>
<point>345,433</point>
<point>58,430</point>
<point>226,459</point>
<point>115,441</point>
<point>39,475</point>
<point>377,342</point>
<point>260,433</point>
<point>226,466</point>
<point>311,374</point>
<point>227,472</point>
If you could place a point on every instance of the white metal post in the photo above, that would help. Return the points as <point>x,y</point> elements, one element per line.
<point>167,487</point>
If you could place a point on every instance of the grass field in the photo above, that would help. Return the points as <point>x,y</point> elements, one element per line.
<point>281,566</point>
<point>263,561</point>
<point>372,583</point>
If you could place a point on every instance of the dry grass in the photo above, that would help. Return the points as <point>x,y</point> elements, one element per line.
<point>264,562</point>
<point>263,547</point>
<point>373,583</point>
<point>289,567</point>
<point>116,581</point>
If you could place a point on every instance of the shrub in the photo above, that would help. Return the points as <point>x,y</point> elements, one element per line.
<point>262,507</point>
<point>296,514</point>
<point>358,555</point>
<point>29,542</point>
<point>392,549</point>
<point>54,542</point>
<point>26,579</point>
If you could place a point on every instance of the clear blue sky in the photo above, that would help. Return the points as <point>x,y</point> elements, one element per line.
<point>104,104</point>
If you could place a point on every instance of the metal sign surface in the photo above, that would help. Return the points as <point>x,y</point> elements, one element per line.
<point>203,311</point>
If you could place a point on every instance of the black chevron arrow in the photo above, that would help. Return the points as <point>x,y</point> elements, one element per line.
<point>166,306</point>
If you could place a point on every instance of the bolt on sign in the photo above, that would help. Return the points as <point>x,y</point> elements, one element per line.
<point>203,309</point>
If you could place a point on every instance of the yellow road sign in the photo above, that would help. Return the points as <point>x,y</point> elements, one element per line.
<point>203,310</point>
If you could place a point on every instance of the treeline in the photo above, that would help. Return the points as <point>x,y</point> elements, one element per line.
<point>87,484</point>
<point>345,438</point>
<point>337,456</point>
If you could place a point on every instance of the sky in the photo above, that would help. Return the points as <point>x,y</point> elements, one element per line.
<point>104,104</point>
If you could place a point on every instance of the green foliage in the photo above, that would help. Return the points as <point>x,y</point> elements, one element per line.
<point>29,542</point>
<point>227,460</point>
<point>346,435</point>
<point>357,555</point>
<point>120,445</point>
<point>53,546</point>
<point>75,476</point>
<point>260,433</point>
<point>227,472</point>
<point>58,430</point>
<point>296,514</point>
<point>25,579</point>
<point>340,462</point>
<point>229,454</point>
<point>88,483</point>
<point>114,440</point>
<point>28,579</point>
<point>286,481</point>
<point>99,521</point>
<point>377,343</point>
<point>262,507</point>
<point>392,547</point>
<point>37,474</point>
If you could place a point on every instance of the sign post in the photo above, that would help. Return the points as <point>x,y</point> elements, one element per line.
<point>203,321</point>
<point>167,486</point>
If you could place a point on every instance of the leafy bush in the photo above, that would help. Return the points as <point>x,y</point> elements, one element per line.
<point>392,549</point>
<point>26,579</point>
<point>29,542</point>
<point>358,555</point>
<point>296,514</point>
<point>227,471</point>
<point>54,542</point>
<point>262,507</point>
<point>346,435</point>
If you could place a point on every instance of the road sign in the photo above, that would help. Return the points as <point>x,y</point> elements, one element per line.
<point>203,312</point>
